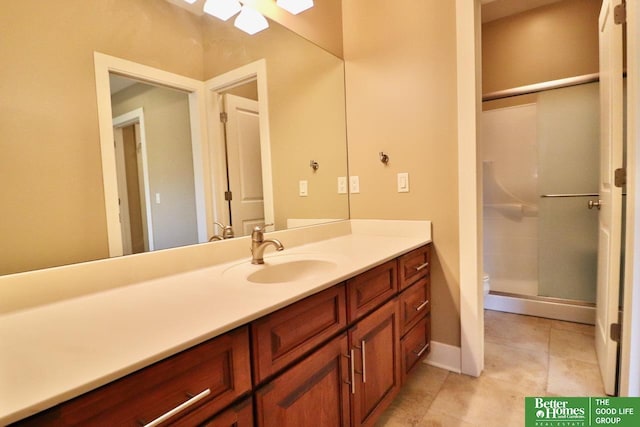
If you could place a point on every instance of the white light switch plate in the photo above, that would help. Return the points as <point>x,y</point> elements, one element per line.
<point>354,184</point>
<point>304,188</point>
<point>403,182</point>
<point>342,185</point>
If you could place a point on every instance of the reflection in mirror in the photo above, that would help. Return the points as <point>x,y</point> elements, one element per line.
<point>244,196</point>
<point>56,210</point>
<point>154,166</point>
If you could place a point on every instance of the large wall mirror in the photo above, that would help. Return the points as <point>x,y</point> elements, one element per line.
<point>53,193</point>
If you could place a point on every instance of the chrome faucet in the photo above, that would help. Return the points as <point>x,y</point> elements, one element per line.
<point>259,244</point>
<point>227,232</point>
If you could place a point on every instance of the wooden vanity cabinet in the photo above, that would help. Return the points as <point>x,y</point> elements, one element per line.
<point>415,303</point>
<point>376,341</point>
<point>415,345</point>
<point>211,376</point>
<point>415,307</point>
<point>336,358</point>
<point>315,391</point>
<point>413,266</point>
<point>240,415</point>
<point>280,338</point>
<point>370,289</point>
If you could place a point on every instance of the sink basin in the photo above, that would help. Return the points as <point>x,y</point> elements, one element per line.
<point>290,271</point>
<point>281,269</point>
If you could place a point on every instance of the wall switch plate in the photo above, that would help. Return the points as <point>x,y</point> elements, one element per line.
<point>157,198</point>
<point>403,182</point>
<point>304,188</point>
<point>354,184</point>
<point>342,185</point>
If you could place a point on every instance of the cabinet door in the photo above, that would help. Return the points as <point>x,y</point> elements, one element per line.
<point>315,392</point>
<point>376,340</point>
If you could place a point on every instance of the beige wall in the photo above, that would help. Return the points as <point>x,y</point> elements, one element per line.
<point>401,99</point>
<point>52,197</point>
<point>548,43</point>
<point>322,24</point>
<point>170,160</point>
<point>306,114</point>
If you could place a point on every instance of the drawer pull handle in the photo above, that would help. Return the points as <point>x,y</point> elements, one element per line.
<point>422,266</point>
<point>364,367</point>
<point>421,306</point>
<point>164,417</point>
<point>422,350</point>
<point>352,372</point>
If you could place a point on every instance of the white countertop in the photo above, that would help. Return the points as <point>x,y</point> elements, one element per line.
<point>53,352</point>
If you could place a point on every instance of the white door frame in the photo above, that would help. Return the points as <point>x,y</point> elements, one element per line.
<point>253,71</point>
<point>469,106</point>
<point>468,32</point>
<point>105,64</point>
<point>630,347</point>
<point>126,119</point>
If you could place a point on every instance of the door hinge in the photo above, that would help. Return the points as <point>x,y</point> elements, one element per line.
<point>620,13</point>
<point>620,177</point>
<point>228,196</point>
<point>615,332</point>
<point>224,117</point>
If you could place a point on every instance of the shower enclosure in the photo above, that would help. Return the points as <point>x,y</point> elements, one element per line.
<point>540,171</point>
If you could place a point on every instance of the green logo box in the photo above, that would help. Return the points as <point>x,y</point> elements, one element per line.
<point>582,411</point>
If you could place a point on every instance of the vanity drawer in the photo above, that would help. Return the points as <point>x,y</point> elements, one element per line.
<point>415,302</point>
<point>240,415</point>
<point>371,289</point>
<point>288,334</point>
<point>415,345</point>
<point>211,376</point>
<point>414,265</point>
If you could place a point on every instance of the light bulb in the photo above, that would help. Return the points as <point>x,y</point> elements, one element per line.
<point>295,6</point>
<point>222,9</point>
<point>251,21</point>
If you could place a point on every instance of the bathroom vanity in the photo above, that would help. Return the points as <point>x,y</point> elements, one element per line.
<point>335,340</point>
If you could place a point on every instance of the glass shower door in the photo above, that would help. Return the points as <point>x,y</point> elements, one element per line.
<point>568,168</point>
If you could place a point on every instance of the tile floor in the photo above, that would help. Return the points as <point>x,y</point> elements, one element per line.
<point>524,356</point>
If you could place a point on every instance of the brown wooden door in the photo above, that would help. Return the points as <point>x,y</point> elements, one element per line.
<point>315,392</point>
<point>376,340</point>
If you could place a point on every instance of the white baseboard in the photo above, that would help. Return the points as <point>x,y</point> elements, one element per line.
<point>549,310</point>
<point>444,356</point>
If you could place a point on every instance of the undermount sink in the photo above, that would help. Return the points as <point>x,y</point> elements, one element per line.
<point>281,269</point>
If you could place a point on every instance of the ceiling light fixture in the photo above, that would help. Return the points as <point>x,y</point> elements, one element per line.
<point>222,9</point>
<point>191,1</point>
<point>251,21</point>
<point>295,6</point>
